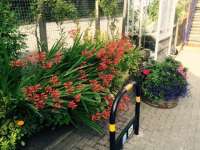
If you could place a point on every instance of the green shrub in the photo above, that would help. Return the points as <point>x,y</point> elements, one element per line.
<point>128,68</point>
<point>153,10</point>
<point>11,42</point>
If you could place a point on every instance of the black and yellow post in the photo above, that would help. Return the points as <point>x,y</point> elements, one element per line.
<point>137,108</point>
<point>112,126</point>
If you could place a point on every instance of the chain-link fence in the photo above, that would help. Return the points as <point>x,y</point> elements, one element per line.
<point>27,14</point>
<point>24,9</point>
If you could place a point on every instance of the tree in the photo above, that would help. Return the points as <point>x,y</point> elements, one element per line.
<point>125,7</point>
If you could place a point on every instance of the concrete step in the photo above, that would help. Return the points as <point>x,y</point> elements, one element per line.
<point>194,37</point>
<point>195,33</point>
<point>193,43</point>
<point>196,23</point>
<point>197,13</point>
<point>196,20</point>
<point>195,28</point>
<point>196,16</point>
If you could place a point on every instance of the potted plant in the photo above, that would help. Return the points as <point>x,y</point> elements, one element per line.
<point>164,83</point>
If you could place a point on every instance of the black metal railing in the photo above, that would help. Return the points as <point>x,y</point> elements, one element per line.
<point>116,143</point>
<point>191,13</point>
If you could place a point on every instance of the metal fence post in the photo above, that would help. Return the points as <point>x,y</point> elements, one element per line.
<point>137,107</point>
<point>97,19</point>
<point>125,7</point>
<point>42,26</point>
<point>43,33</point>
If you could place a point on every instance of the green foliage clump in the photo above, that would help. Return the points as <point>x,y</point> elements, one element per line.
<point>61,9</point>
<point>181,11</point>
<point>153,10</point>
<point>109,7</point>
<point>10,134</point>
<point>11,43</point>
<point>56,10</point>
<point>128,67</point>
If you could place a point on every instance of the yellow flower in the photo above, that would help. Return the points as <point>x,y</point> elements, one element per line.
<point>20,123</point>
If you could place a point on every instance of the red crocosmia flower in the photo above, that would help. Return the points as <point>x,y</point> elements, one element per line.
<point>83,75</point>
<point>84,53</point>
<point>32,58</point>
<point>48,89</point>
<point>77,98</point>
<point>106,78</point>
<point>96,87</point>
<point>41,56</point>
<point>40,104</point>
<point>94,118</point>
<point>54,79</point>
<point>48,65</point>
<point>70,90</point>
<point>58,58</point>
<point>39,100</point>
<point>80,87</point>
<point>30,90</point>
<point>101,53</point>
<point>109,100</point>
<point>88,54</point>
<point>146,72</point>
<point>84,62</point>
<point>105,114</point>
<point>55,94</point>
<point>102,66</point>
<point>72,105</point>
<point>57,105</point>
<point>68,84</point>
<point>18,63</point>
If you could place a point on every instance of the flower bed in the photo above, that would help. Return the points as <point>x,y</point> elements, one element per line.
<point>66,86</point>
<point>164,82</point>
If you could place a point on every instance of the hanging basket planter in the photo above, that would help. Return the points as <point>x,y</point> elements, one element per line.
<point>162,104</point>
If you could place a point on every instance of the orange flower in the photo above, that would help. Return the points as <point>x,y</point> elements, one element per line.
<point>20,123</point>
<point>17,63</point>
<point>48,65</point>
<point>58,58</point>
<point>54,79</point>
<point>72,105</point>
<point>77,98</point>
<point>41,56</point>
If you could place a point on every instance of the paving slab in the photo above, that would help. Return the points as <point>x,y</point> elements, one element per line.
<point>177,128</point>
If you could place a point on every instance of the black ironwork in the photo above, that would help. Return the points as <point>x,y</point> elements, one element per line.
<point>133,125</point>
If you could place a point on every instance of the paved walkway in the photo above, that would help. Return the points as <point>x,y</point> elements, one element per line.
<point>178,128</point>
